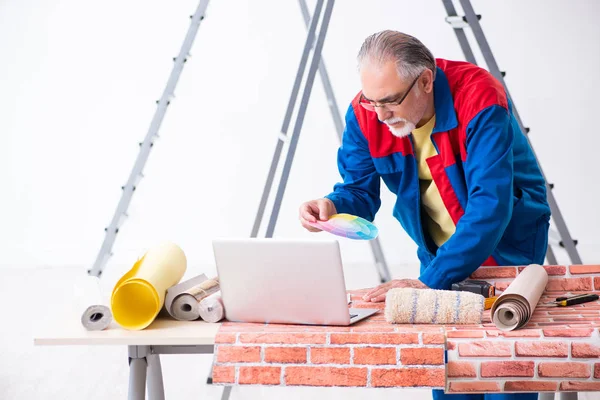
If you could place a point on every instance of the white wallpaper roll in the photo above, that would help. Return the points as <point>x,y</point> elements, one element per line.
<point>211,308</point>
<point>94,311</point>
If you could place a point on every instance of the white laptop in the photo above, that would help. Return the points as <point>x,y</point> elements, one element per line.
<point>284,281</point>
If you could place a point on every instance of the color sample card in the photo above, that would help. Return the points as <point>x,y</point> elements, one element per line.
<point>349,226</point>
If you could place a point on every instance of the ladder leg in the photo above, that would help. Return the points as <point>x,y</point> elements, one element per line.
<point>380,262</point>
<point>301,112</point>
<point>460,33</point>
<point>473,22</point>
<point>286,120</point>
<point>145,147</point>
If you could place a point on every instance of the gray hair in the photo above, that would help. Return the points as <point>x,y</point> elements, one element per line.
<point>411,56</point>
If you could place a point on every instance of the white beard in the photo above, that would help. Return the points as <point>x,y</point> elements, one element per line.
<point>406,129</point>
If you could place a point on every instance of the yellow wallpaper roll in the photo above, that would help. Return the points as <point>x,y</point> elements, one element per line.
<point>139,295</point>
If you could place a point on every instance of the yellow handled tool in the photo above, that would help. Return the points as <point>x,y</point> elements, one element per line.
<point>569,301</point>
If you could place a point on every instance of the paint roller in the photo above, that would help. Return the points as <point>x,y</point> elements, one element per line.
<point>433,306</point>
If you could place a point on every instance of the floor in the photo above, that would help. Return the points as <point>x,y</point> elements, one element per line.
<point>28,372</point>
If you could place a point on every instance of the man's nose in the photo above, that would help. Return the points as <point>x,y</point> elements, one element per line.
<point>383,113</point>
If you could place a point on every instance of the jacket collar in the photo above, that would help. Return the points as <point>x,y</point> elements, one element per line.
<point>445,116</point>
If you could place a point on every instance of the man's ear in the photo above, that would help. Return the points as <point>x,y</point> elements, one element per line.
<point>427,81</point>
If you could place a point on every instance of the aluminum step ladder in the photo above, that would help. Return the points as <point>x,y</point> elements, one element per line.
<point>471,20</point>
<point>283,138</point>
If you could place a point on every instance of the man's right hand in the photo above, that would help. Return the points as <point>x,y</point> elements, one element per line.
<point>315,210</point>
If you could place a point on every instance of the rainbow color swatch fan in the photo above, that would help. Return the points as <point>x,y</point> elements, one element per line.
<point>349,226</point>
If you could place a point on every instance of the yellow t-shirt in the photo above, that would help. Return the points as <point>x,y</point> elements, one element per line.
<point>436,219</point>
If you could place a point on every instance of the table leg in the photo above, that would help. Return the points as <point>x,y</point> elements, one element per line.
<point>156,389</point>
<point>226,393</point>
<point>567,396</point>
<point>137,372</point>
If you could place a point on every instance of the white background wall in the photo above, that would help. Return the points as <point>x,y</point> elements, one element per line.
<point>79,80</point>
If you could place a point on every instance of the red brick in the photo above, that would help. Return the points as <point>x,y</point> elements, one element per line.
<point>408,377</point>
<point>517,333</point>
<point>568,332</point>
<point>330,355</point>
<point>364,304</point>
<point>580,386</point>
<point>451,345</point>
<point>494,272</point>
<point>530,386</point>
<point>552,269</point>
<point>571,318</point>
<point>225,338</point>
<point>461,369</point>
<point>575,311</point>
<point>465,387</point>
<point>433,338</point>
<point>542,349</point>
<point>421,356</point>
<point>491,369</point>
<point>375,355</point>
<point>597,371</point>
<point>564,370</point>
<point>373,327</point>
<point>584,269</point>
<point>285,354</point>
<point>260,375</point>
<point>501,286</point>
<point>465,334</point>
<point>327,329</point>
<point>288,338</point>
<point>375,338</point>
<point>485,349</point>
<point>234,354</point>
<point>585,350</point>
<point>597,283</point>
<point>223,374</point>
<point>325,376</point>
<point>285,328</point>
<point>569,284</point>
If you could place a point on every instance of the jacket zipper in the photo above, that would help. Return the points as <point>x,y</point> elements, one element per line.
<point>419,222</point>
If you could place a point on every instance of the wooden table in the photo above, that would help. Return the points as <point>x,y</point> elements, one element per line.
<point>164,336</point>
<point>558,351</point>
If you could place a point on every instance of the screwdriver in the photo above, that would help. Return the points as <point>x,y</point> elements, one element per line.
<point>569,301</point>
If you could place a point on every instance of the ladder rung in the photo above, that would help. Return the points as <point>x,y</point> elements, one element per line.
<point>459,21</point>
<point>575,241</point>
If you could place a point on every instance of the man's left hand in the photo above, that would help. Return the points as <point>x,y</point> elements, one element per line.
<point>377,294</point>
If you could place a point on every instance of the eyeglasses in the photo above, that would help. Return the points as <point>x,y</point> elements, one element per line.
<point>369,105</point>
